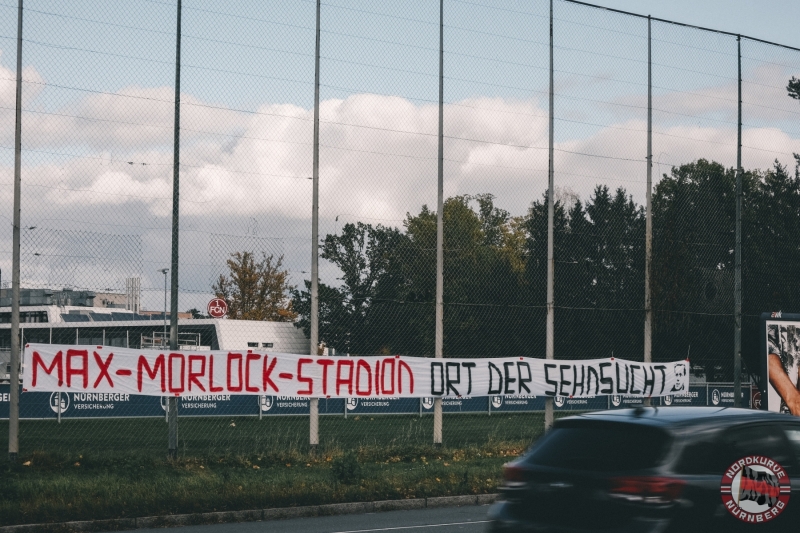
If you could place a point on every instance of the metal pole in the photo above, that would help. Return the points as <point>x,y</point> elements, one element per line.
<point>173,318</point>
<point>313,425</point>
<point>164,335</point>
<point>439,347</point>
<point>648,235</point>
<point>13,414</point>
<point>737,283</point>
<point>550,339</point>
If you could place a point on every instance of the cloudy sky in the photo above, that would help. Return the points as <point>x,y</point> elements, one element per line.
<point>98,110</point>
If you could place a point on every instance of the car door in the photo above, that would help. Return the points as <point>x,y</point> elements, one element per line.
<point>792,430</point>
<point>761,489</point>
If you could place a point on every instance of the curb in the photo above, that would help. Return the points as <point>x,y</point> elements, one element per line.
<point>118,524</point>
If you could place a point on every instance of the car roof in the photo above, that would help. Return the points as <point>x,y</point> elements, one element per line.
<point>676,417</point>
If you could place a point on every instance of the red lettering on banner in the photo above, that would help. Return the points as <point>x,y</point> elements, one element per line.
<point>55,364</point>
<point>211,387</point>
<point>182,373</point>
<point>325,364</point>
<point>250,357</point>
<point>301,379</point>
<point>103,369</point>
<point>265,380</point>
<point>232,357</point>
<point>143,366</point>
<point>83,371</point>
<point>402,364</point>
<point>348,381</point>
<point>384,390</point>
<point>359,365</point>
<point>194,375</point>
<point>377,377</point>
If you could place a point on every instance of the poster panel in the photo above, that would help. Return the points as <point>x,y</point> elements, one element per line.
<point>780,360</point>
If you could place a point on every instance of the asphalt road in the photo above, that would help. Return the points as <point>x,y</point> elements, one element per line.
<point>468,519</point>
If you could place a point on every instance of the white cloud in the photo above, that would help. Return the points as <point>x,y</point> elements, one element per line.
<point>378,161</point>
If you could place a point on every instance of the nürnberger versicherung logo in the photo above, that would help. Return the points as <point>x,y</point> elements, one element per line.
<point>755,489</point>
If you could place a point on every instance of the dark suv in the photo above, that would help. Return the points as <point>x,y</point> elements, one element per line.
<point>657,470</point>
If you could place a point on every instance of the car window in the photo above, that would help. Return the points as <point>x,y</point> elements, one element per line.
<point>601,448</point>
<point>767,440</point>
<point>793,435</point>
<point>701,455</point>
<point>711,454</point>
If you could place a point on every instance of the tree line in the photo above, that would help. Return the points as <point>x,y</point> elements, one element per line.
<point>495,269</point>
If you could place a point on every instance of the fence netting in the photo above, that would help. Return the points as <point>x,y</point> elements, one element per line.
<point>97,167</point>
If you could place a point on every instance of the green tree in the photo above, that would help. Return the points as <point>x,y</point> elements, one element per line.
<point>256,290</point>
<point>363,254</point>
<point>794,88</point>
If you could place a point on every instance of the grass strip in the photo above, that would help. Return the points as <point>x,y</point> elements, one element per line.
<point>117,468</point>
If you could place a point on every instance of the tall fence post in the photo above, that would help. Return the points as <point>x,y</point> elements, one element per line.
<point>13,415</point>
<point>313,429</point>
<point>550,334</point>
<point>648,235</point>
<point>176,202</point>
<point>439,348</point>
<point>737,280</point>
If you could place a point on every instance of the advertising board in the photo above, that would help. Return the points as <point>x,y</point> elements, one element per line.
<point>780,362</point>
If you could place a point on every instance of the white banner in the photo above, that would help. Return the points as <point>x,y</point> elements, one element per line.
<point>103,369</point>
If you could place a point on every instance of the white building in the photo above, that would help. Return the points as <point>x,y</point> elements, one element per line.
<point>98,326</point>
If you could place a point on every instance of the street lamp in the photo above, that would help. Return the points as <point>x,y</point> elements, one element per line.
<point>164,336</point>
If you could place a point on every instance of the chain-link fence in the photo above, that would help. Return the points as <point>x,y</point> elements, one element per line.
<point>97,164</point>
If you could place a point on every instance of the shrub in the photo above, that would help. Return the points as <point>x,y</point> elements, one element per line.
<point>346,468</point>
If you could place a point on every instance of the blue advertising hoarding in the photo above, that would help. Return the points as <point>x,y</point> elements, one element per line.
<point>721,395</point>
<point>467,404</point>
<point>697,396</point>
<point>592,403</point>
<point>516,403</point>
<point>383,406</point>
<point>45,405</point>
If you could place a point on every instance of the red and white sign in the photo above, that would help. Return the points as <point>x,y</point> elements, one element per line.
<point>755,489</point>
<point>71,368</point>
<point>217,308</point>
